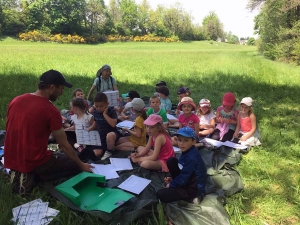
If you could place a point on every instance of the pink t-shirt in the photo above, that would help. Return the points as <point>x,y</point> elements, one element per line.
<point>189,121</point>
<point>166,150</point>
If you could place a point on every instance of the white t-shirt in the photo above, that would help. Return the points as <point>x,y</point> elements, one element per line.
<point>205,119</point>
<point>83,122</point>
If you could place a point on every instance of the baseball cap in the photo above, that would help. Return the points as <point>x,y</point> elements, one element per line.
<point>163,90</point>
<point>186,132</point>
<point>183,90</point>
<point>153,119</point>
<point>247,101</point>
<point>133,94</point>
<point>161,83</point>
<point>186,100</point>
<point>204,102</point>
<point>54,77</point>
<point>137,104</point>
<point>228,99</point>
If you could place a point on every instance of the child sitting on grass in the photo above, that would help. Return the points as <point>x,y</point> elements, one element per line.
<point>82,119</point>
<point>127,108</point>
<point>226,118</point>
<point>105,120</point>
<point>206,117</point>
<point>188,174</point>
<point>138,134</point>
<point>246,130</point>
<point>165,101</point>
<point>156,109</point>
<point>159,141</point>
<point>188,118</point>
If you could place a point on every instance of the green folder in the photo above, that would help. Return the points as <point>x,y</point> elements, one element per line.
<point>88,191</point>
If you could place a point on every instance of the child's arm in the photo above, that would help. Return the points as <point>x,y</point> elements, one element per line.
<point>123,114</point>
<point>237,128</point>
<point>93,127</point>
<point>185,174</point>
<point>196,127</point>
<point>253,123</point>
<point>112,122</point>
<point>92,121</point>
<point>91,92</point>
<point>70,128</point>
<point>159,141</point>
<point>145,150</point>
<point>137,131</point>
<point>219,118</point>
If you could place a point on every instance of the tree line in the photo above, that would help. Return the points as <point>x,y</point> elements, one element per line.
<point>93,17</point>
<point>278,27</point>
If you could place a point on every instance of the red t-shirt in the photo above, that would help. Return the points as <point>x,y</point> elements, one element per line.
<point>189,121</point>
<point>30,120</point>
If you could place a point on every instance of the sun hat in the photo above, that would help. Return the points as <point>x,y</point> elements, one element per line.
<point>163,90</point>
<point>183,90</point>
<point>153,119</point>
<point>137,104</point>
<point>161,83</point>
<point>133,94</point>
<point>228,99</point>
<point>186,132</point>
<point>104,67</point>
<point>204,102</point>
<point>54,77</point>
<point>247,101</point>
<point>186,100</point>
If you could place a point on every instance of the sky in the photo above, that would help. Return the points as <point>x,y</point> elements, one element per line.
<point>232,13</point>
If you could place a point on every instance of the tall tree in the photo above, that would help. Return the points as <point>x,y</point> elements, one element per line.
<point>213,26</point>
<point>96,16</point>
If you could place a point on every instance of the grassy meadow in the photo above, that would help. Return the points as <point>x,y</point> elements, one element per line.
<point>271,173</point>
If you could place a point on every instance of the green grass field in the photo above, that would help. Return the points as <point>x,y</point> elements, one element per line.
<point>270,173</point>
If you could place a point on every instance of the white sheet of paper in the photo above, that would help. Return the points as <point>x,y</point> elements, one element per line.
<point>176,149</point>
<point>112,97</point>
<point>234,145</point>
<point>105,170</point>
<point>171,117</point>
<point>126,123</point>
<point>215,143</point>
<point>88,138</point>
<point>31,213</point>
<point>134,184</point>
<point>16,209</point>
<point>121,164</point>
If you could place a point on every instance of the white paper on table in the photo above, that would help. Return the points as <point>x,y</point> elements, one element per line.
<point>234,145</point>
<point>31,213</point>
<point>215,143</point>
<point>121,164</point>
<point>2,160</point>
<point>134,184</point>
<point>126,123</point>
<point>85,137</point>
<point>112,97</point>
<point>171,117</point>
<point>106,170</point>
<point>176,149</point>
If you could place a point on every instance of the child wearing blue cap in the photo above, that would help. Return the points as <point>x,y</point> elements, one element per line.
<point>188,174</point>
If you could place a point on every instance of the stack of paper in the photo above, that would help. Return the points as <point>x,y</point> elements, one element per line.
<point>35,212</point>
<point>112,97</point>
<point>121,164</point>
<point>105,170</point>
<point>134,184</point>
<point>215,143</point>
<point>126,123</point>
<point>234,145</point>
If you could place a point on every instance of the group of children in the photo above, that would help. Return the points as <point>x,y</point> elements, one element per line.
<point>187,177</point>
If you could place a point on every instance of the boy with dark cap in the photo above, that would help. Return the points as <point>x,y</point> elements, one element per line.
<point>188,174</point>
<point>159,84</point>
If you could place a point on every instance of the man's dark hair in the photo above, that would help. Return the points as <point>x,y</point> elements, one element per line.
<point>100,97</point>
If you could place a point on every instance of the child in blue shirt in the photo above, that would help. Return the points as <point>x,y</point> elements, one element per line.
<point>188,174</point>
<point>106,120</point>
<point>165,101</point>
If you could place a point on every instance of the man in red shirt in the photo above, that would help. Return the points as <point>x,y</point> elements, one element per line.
<point>30,120</point>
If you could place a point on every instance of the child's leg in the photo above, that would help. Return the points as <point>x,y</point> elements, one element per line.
<point>228,136</point>
<point>110,140</point>
<point>215,135</point>
<point>172,164</point>
<point>151,165</point>
<point>98,152</point>
<point>125,146</point>
<point>206,132</point>
<point>167,195</point>
<point>122,140</point>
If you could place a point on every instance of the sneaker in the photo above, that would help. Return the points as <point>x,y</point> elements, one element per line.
<point>106,155</point>
<point>22,183</point>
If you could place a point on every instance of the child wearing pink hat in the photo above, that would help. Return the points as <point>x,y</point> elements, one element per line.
<point>159,141</point>
<point>226,117</point>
